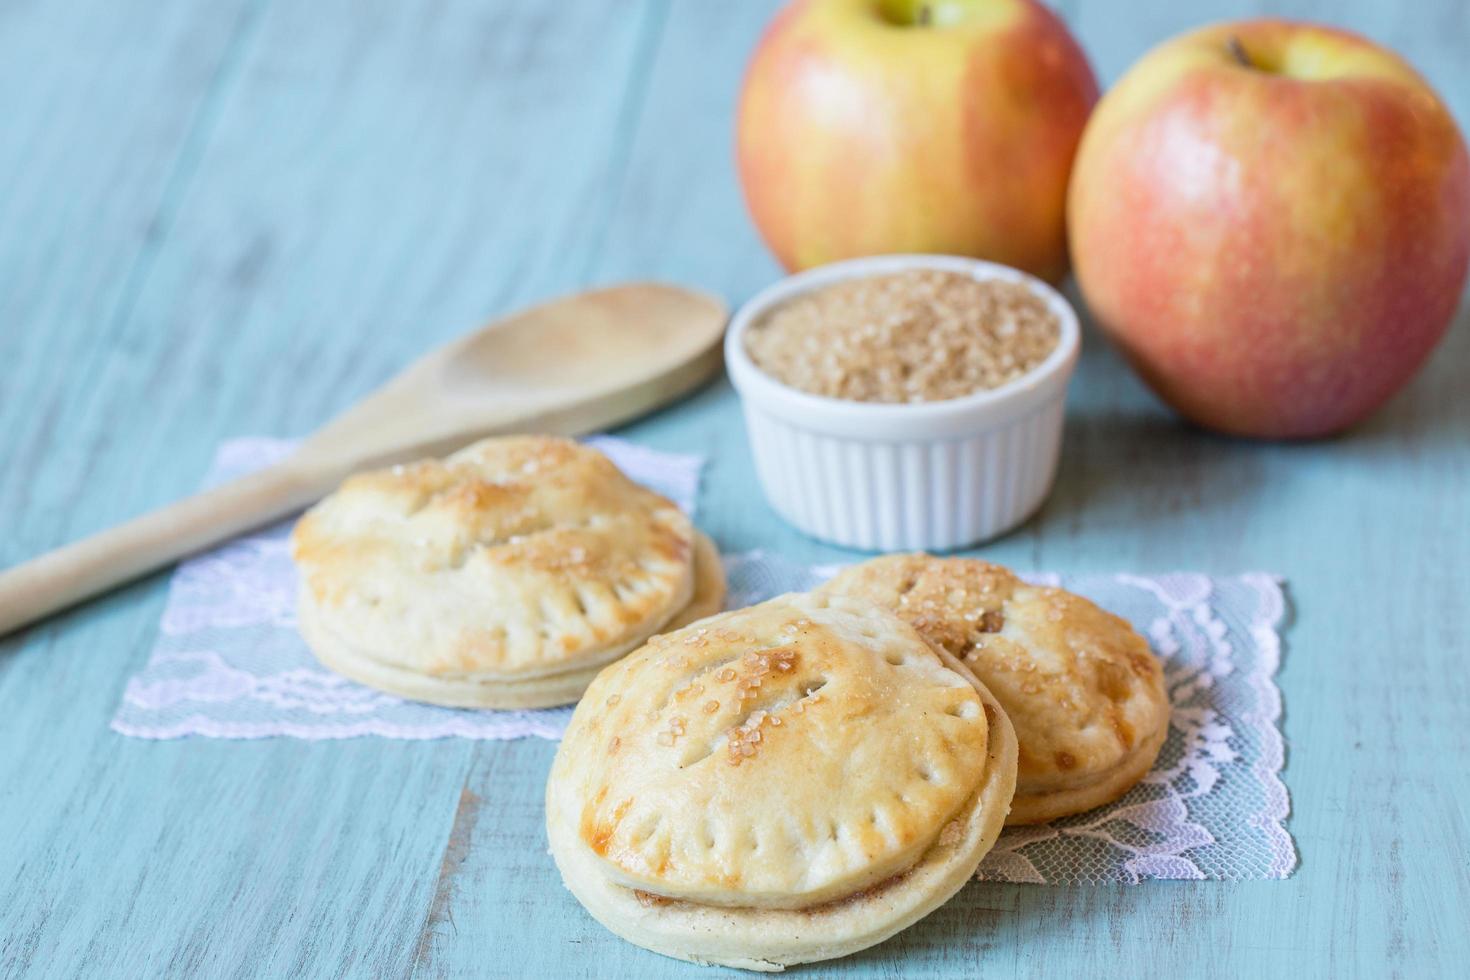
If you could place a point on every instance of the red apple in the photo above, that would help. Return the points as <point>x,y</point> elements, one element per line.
<point>871,126</point>
<point>1272,219</point>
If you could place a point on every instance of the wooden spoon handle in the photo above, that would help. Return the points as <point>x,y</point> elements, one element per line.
<point>79,571</point>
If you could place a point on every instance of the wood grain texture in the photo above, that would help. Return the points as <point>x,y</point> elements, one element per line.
<point>238,217</point>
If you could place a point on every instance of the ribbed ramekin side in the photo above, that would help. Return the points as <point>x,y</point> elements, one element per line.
<point>936,495</point>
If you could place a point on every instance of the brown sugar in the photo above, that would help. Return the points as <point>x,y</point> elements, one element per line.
<point>916,336</point>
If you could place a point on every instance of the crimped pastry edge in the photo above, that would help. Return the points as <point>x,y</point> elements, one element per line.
<point>1043,807</point>
<point>542,691</point>
<point>772,939</point>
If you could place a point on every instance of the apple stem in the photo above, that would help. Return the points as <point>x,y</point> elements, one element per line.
<point>1237,50</point>
<point>925,15</point>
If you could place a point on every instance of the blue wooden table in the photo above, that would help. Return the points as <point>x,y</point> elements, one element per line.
<point>237,216</point>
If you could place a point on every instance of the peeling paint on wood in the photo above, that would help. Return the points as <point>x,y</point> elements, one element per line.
<point>237,217</point>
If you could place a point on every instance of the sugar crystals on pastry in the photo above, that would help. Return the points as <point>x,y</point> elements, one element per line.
<point>505,575</point>
<point>1085,693</point>
<point>784,783</point>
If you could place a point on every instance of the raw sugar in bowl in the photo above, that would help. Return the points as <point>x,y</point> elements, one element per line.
<point>883,427</point>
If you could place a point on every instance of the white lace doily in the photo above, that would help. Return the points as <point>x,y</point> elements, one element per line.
<point>228,663</point>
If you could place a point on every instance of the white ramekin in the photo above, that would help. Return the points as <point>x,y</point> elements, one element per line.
<point>931,476</point>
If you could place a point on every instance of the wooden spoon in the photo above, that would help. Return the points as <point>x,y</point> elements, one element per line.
<point>575,365</point>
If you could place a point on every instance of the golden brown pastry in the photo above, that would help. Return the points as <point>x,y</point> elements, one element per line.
<point>784,783</point>
<point>503,576</point>
<point>1082,688</point>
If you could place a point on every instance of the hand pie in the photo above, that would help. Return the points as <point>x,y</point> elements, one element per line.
<point>785,783</point>
<point>1084,691</point>
<point>504,576</point>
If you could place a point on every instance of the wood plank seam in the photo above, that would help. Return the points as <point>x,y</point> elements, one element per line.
<point>175,188</point>
<point>635,97</point>
<point>636,89</point>
<point>456,848</point>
